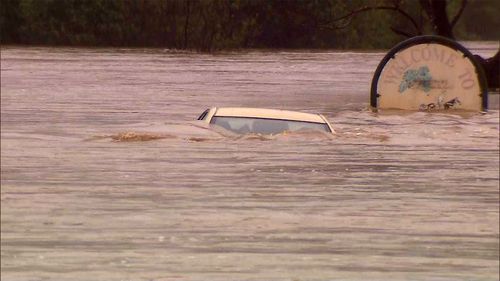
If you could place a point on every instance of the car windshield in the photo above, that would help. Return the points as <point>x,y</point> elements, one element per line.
<point>244,125</point>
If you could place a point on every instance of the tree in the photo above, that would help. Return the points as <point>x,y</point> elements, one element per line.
<point>436,13</point>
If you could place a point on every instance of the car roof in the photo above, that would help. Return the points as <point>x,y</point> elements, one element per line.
<point>268,113</point>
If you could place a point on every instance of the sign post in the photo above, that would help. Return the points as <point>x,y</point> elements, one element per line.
<point>429,73</point>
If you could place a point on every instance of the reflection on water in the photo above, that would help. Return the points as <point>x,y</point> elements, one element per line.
<point>390,196</point>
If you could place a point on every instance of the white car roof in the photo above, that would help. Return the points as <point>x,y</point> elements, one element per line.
<point>268,113</point>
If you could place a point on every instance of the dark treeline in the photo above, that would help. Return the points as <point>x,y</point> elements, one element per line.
<point>226,24</point>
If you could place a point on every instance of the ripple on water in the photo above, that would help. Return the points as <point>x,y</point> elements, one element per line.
<point>103,171</point>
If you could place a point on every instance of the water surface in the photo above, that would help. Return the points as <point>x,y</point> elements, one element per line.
<point>392,196</point>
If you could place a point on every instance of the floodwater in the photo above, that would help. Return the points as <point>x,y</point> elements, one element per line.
<point>105,175</point>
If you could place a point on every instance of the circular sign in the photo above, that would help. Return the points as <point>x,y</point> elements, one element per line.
<point>429,73</point>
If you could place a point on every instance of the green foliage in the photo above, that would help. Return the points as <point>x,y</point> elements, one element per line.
<point>208,25</point>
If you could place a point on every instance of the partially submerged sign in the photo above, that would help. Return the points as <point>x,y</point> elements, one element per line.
<point>429,73</point>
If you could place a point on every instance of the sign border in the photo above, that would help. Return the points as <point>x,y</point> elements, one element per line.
<point>427,39</point>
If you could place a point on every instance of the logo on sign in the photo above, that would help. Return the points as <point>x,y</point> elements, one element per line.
<point>429,77</point>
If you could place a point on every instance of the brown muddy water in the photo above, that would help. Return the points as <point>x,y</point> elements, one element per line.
<point>104,175</point>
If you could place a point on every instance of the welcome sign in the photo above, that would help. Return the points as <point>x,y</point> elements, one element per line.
<point>429,73</point>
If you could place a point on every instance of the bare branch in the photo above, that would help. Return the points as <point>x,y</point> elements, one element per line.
<point>335,27</point>
<point>395,8</point>
<point>426,5</point>
<point>400,32</point>
<point>396,3</point>
<point>459,13</point>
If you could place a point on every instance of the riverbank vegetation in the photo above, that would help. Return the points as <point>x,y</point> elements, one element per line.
<point>208,25</point>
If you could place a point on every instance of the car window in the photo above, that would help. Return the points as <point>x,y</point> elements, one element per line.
<point>203,115</point>
<point>243,125</point>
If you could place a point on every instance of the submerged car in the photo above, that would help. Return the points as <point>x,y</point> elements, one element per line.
<point>243,120</point>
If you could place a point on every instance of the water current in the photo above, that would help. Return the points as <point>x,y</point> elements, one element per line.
<point>105,175</point>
